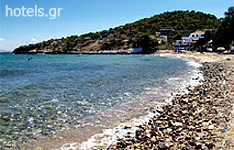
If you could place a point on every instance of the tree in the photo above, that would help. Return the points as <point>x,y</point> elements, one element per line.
<point>225,34</point>
<point>147,44</point>
<point>203,41</point>
<point>230,12</point>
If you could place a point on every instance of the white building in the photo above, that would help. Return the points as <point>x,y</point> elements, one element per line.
<point>197,35</point>
<point>191,39</point>
<point>181,43</point>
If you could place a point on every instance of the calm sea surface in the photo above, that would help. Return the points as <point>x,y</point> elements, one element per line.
<point>42,94</point>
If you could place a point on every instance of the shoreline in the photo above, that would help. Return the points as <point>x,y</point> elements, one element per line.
<point>109,136</point>
<point>183,133</point>
<point>129,128</point>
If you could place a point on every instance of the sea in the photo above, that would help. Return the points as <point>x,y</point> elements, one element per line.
<point>49,101</point>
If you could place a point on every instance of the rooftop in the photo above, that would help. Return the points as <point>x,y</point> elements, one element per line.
<point>198,32</point>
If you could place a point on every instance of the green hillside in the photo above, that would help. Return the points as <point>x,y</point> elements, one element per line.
<point>173,24</point>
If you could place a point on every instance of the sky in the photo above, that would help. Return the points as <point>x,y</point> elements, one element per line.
<point>21,21</point>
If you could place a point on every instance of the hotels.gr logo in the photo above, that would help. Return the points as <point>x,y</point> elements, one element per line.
<point>52,13</point>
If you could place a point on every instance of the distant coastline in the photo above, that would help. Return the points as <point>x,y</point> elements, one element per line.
<point>157,32</point>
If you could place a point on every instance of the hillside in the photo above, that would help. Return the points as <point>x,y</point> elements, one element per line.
<point>173,24</point>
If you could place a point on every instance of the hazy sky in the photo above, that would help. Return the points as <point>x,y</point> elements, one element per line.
<point>82,16</point>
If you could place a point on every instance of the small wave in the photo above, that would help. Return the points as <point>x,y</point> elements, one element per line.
<point>194,63</point>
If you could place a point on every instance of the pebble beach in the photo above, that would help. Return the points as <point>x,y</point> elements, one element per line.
<point>202,118</point>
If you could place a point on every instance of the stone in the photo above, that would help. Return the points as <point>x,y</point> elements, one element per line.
<point>205,124</point>
<point>162,146</point>
<point>169,130</point>
<point>211,127</point>
<point>178,124</point>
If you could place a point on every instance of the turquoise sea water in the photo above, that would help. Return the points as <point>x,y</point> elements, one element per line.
<point>40,94</point>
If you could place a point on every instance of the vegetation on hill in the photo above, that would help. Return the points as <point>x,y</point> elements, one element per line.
<point>173,24</point>
<point>224,37</point>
